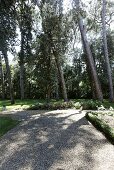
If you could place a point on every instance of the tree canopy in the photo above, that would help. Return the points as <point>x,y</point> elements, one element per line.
<point>58,51</point>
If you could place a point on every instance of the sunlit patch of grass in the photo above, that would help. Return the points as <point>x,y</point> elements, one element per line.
<point>19,104</point>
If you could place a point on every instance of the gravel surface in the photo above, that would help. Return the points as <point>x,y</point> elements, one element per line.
<point>55,140</point>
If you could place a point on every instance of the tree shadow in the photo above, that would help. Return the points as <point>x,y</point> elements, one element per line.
<point>50,141</point>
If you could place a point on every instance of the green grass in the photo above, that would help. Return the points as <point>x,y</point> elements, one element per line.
<point>84,104</point>
<point>6,124</point>
<point>102,125</point>
<point>18,104</point>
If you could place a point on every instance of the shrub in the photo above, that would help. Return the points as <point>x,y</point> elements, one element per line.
<point>84,104</point>
<point>52,106</point>
<point>90,104</point>
<point>77,105</point>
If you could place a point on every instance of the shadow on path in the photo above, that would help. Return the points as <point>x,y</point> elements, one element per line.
<point>51,141</point>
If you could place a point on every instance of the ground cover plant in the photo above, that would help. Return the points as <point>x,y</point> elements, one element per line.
<point>83,104</point>
<point>19,104</point>
<point>103,121</point>
<point>31,104</point>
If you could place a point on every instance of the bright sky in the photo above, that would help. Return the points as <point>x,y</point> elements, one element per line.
<point>67,5</point>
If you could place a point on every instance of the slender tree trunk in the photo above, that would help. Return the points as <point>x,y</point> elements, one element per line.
<point>89,56</point>
<point>21,54</point>
<point>48,93</point>
<point>109,74</point>
<point>2,79</point>
<point>22,80</point>
<point>21,63</point>
<point>61,77</point>
<point>57,87</point>
<point>9,77</point>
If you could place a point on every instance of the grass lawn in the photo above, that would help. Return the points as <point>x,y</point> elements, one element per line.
<point>85,104</point>
<point>6,124</point>
<point>18,104</point>
<point>103,121</point>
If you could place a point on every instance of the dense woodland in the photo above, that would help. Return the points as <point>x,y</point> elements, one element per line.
<point>63,54</point>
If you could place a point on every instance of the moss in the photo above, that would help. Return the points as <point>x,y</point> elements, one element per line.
<point>101,126</point>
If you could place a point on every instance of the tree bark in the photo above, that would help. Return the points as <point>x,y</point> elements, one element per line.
<point>91,80</point>
<point>109,74</point>
<point>61,77</point>
<point>21,54</point>
<point>2,78</point>
<point>89,56</point>
<point>22,80</point>
<point>9,77</point>
<point>57,87</point>
<point>21,63</point>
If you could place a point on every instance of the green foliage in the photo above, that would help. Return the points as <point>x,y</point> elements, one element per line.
<point>82,104</point>
<point>52,106</point>
<point>101,125</point>
<point>7,25</point>
<point>25,22</point>
<point>52,29</point>
<point>77,104</point>
<point>90,104</point>
<point>18,104</point>
<point>6,124</point>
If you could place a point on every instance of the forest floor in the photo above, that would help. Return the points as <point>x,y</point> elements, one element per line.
<point>19,104</point>
<point>87,104</point>
<point>54,140</point>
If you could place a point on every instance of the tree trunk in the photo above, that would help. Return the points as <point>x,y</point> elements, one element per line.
<point>21,54</point>
<point>61,77</point>
<point>109,74</point>
<point>89,56</point>
<point>2,79</point>
<point>22,80</point>
<point>21,63</point>
<point>90,79</point>
<point>57,88</point>
<point>9,77</point>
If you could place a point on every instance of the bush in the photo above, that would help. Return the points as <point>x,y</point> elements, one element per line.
<point>52,106</point>
<point>77,105</point>
<point>83,104</point>
<point>90,104</point>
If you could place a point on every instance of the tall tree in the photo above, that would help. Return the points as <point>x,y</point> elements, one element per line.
<point>59,11</point>
<point>7,35</point>
<point>8,73</point>
<point>104,36</point>
<point>25,25</point>
<point>52,15</point>
<point>2,78</point>
<point>89,56</point>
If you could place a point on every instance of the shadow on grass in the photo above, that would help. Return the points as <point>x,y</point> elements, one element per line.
<point>6,124</point>
<point>46,141</point>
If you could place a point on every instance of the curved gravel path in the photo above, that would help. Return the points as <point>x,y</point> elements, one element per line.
<point>55,140</point>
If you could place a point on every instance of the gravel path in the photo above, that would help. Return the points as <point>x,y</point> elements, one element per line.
<point>55,140</point>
